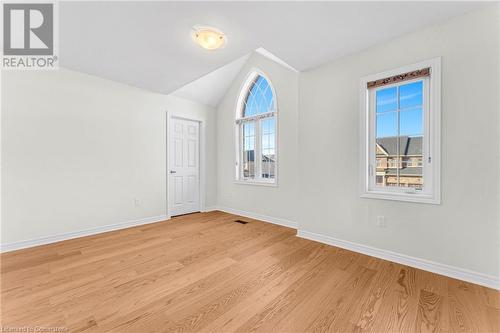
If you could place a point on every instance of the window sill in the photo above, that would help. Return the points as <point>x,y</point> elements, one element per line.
<point>256,183</point>
<point>406,197</point>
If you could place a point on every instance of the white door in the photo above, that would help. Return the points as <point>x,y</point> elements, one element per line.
<point>184,173</point>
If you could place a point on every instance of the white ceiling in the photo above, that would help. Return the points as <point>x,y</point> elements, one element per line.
<point>148,44</point>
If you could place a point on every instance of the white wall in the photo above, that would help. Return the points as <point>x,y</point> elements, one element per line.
<point>278,202</point>
<point>77,150</point>
<point>464,230</point>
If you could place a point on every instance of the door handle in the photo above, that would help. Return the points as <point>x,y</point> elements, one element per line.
<point>173,171</point>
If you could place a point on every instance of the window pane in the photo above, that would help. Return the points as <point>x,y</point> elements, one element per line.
<point>387,99</point>
<point>248,150</point>
<point>251,105</point>
<point>268,142</point>
<point>269,99</point>
<point>259,98</point>
<point>411,138</point>
<point>411,122</point>
<point>410,95</point>
<point>410,170</point>
<point>387,124</point>
<point>399,146</point>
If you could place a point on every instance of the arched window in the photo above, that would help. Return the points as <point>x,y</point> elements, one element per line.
<point>256,131</point>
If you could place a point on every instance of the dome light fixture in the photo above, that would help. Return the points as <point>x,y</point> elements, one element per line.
<point>209,38</point>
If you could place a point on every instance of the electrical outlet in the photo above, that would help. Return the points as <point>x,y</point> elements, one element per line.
<point>381,223</point>
<point>137,202</point>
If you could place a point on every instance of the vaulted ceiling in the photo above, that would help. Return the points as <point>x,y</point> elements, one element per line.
<point>148,44</point>
<point>210,89</point>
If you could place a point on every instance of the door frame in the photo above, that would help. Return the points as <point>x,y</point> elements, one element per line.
<point>201,157</point>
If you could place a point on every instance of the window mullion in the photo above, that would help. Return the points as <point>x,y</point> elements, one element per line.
<point>256,117</point>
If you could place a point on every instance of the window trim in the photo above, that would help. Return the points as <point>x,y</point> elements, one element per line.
<point>431,141</point>
<point>238,139</point>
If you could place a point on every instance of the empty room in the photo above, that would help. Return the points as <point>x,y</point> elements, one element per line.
<point>285,167</point>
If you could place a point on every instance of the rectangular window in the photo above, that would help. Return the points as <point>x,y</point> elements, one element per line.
<point>401,125</point>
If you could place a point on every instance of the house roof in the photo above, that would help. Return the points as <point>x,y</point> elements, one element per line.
<point>408,145</point>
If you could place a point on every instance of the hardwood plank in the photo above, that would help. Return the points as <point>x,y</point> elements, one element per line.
<point>430,312</point>
<point>399,309</point>
<point>333,317</point>
<point>365,314</point>
<point>493,315</point>
<point>466,311</point>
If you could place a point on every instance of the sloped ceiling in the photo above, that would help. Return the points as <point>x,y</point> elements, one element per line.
<point>148,44</point>
<point>210,89</point>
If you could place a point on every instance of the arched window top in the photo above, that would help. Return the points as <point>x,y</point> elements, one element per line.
<point>258,97</point>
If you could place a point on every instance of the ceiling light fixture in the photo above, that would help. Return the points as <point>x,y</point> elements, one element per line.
<point>209,38</point>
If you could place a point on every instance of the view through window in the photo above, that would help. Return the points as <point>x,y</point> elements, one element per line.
<point>399,135</point>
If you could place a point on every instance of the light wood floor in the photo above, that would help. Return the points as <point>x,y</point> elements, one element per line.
<point>206,273</point>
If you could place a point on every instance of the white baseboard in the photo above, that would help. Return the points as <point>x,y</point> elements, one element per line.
<point>81,233</point>
<point>426,265</point>
<point>265,218</point>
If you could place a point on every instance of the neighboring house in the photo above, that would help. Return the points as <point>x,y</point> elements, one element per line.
<point>403,168</point>
<point>268,168</point>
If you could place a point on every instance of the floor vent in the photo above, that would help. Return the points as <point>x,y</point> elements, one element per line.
<point>241,221</point>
